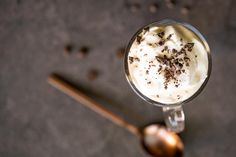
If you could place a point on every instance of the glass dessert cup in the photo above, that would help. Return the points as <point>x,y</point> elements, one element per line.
<point>173,113</point>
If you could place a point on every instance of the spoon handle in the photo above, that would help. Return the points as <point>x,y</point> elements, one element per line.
<point>79,96</point>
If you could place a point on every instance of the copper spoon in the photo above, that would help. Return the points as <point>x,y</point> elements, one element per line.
<point>155,139</point>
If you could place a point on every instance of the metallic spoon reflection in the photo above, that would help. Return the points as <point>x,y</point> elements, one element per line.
<point>159,142</point>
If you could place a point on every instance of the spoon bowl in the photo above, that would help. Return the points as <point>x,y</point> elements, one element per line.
<point>160,142</point>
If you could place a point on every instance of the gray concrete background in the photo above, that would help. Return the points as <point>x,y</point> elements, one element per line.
<point>37,120</point>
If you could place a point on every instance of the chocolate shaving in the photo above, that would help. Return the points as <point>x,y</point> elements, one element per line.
<point>139,39</point>
<point>174,51</point>
<point>146,29</point>
<point>131,60</point>
<point>186,59</point>
<point>136,59</point>
<point>178,96</point>
<point>189,46</point>
<point>169,36</point>
<point>165,49</point>
<point>160,68</point>
<point>161,42</point>
<point>178,72</point>
<point>161,34</point>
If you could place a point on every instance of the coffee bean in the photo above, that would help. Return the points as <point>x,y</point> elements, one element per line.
<point>68,49</point>
<point>83,51</point>
<point>185,10</point>
<point>120,52</point>
<point>134,7</point>
<point>153,7</point>
<point>93,74</point>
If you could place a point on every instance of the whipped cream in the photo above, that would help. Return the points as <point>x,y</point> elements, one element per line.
<point>167,64</point>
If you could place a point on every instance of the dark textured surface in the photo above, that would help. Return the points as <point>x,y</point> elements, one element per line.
<point>37,120</point>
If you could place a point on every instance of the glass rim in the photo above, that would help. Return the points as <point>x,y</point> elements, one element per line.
<point>140,94</point>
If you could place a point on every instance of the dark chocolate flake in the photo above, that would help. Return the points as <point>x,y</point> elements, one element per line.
<point>131,60</point>
<point>139,39</point>
<point>189,46</point>
<point>137,59</point>
<point>178,96</point>
<point>169,36</point>
<point>178,72</point>
<point>160,68</point>
<point>161,42</point>
<point>165,49</point>
<point>180,65</point>
<point>174,51</point>
<point>146,29</point>
<point>161,34</point>
<point>186,59</point>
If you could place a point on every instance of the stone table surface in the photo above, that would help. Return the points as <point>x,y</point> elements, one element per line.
<point>37,120</point>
